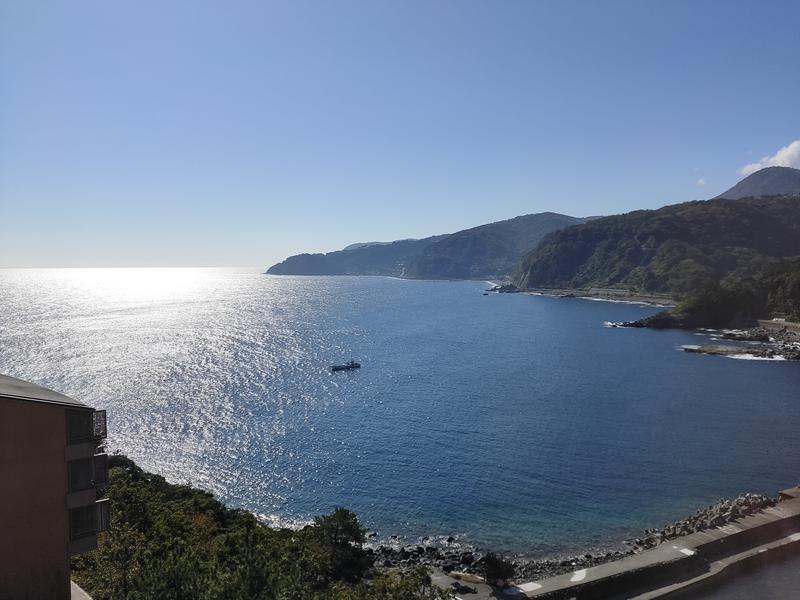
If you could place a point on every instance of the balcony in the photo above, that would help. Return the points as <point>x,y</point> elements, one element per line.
<point>86,426</point>
<point>85,522</point>
<point>87,478</point>
<point>99,425</point>
<point>100,464</point>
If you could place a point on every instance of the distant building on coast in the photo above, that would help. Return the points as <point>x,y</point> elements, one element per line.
<point>52,476</point>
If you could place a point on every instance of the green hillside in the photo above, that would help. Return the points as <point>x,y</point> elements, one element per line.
<point>679,249</point>
<point>358,259</point>
<point>491,250</point>
<point>739,303</point>
<point>487,251</point>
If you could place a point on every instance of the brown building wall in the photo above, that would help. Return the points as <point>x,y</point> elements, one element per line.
<point>34,527</point>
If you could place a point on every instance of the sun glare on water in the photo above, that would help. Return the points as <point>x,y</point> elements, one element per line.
<point>136,285</point>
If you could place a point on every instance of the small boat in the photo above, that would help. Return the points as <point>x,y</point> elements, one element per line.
<point>348,366</point>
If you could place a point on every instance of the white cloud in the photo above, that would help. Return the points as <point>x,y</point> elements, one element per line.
<point>701,181</point>
<point>788,156</point>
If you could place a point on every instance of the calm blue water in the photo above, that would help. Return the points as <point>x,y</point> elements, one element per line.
<point>513,421</point>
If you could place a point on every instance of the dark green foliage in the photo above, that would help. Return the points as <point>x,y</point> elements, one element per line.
<point>175,542</point>
<point>739,303</point>
<point>679,249</point>
<point>781,283</point>
<point>415,585</point>
<point>496,569</point>
<point>340,536</point>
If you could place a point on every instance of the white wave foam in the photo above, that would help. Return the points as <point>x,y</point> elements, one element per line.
<point>280,522</point>
<point>751,357</point>
<point>615,301</point>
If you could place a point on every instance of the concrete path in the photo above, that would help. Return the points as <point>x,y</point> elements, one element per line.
<point>76,593</point>
<point>684,561</point>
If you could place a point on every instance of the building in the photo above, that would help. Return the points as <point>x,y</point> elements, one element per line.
<point>52,476</point>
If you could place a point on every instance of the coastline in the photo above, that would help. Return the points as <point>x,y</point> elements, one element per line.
<point>758,343</point>
<point>452,556</point>
<point>606,295</point>
<point>620,296</point>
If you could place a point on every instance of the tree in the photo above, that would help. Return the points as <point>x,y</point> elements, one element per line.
<point>340,537</point>
<point>496,569</point>
<point>176,542</point>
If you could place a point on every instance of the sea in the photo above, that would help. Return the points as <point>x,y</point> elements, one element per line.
<point>518,423</point>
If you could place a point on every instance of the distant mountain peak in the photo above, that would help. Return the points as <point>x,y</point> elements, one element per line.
<point>771,181</point>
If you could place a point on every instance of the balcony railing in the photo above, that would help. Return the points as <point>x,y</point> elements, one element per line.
<point>99,423</point>
<point>82,521</point>
<point>100,469</point>
<point>86,426</point>
<point>85,521</point>
<point>103,514</point>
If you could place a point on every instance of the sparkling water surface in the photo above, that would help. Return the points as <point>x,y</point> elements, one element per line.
<point>514,422</point>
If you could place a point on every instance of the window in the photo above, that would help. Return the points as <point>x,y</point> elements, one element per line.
<point>82,521</point>
<point>81,474</point>
<point>80,426</point>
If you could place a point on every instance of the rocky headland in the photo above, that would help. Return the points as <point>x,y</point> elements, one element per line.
<point>504,288</point>
<point>762,343</point>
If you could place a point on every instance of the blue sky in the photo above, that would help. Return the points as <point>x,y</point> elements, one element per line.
<point>236,133</point>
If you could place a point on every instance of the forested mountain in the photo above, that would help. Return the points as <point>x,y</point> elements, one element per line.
<point>389,258</point>
<point>486,251</point>
<point>491,250</point>
<point>678,249</point>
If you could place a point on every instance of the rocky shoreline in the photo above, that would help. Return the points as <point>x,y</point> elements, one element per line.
<point>619,296</point>
<point>451,556</point>
<point>780,344</point>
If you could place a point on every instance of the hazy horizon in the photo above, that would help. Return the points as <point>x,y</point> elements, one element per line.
<point>236,134</point>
